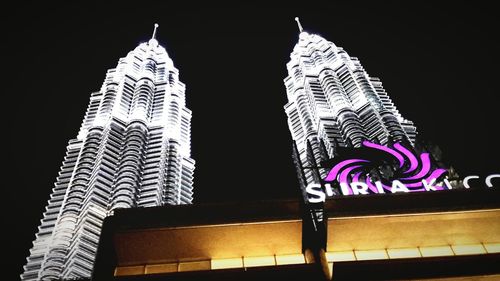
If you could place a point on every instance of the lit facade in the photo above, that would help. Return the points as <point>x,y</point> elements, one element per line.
<point>132,150</point>
<point>333,103</point>
<point>397,236</point>
<point>417,236</point>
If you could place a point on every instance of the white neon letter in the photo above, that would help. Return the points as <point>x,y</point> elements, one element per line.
<point>380,189</point>
<point>448,184</point>
<point>359,188</point>
<point>489,178</point>
<point>315,190</point>
<point>467,179</point>
<point>328,189</point>
<point>344,188</point>
<point>428,186</point>
<point>398,186</point>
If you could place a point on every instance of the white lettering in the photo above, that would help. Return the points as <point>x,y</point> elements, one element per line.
<point>467,179</point>
<point>315,190</point>
<point>379,186</point>
<point>448,184</point>
<point>317,195</point>
<point>428,186</point>
<point>344,188</point>
<point>398,186</point>
<point>489,178</point>
<point>329,190</point>
<point>359,188</point>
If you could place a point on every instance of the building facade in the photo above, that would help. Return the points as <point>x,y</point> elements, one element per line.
<point>334,107</point>
<point>448,235</point>
<point>132,150</point>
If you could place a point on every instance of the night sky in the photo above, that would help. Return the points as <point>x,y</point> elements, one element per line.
<point>437,63</point>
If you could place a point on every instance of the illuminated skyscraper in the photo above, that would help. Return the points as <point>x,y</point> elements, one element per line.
<point>334,103</point>
<point>132,150</point>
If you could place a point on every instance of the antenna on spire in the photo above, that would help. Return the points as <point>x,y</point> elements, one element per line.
<point>298,23</point>
<point>154,31</point>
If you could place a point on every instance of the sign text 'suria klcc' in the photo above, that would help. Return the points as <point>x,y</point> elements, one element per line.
<point>132,150</point>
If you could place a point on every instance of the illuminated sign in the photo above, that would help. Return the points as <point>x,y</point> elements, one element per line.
<point>381,169</point>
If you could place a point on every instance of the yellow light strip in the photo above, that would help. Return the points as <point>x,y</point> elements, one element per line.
<point>468,249</point>
<point>340,256</point>
<point>129,270</point>
<point>161,268</point>
<point>492,247</point>
<point>419,252</point>
<point>434,251</point>
<point>258,261</point>
<point>371,255</point>
<point>227,263</point>
<point>438,251</point>
<point>404,253</point>
<point>290,259</point>
<point>195,265</point>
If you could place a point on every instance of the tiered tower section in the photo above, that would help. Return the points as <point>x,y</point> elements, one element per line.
<point>332,103</point>
<point>132,150</point>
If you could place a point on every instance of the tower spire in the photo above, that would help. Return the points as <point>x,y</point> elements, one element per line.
<point>154,31</point>
<point>298,23</point>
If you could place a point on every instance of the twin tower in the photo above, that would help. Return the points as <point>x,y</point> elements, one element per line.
<point>133,147</point>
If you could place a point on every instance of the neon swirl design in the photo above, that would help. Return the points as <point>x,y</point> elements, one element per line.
<point>411,172</point>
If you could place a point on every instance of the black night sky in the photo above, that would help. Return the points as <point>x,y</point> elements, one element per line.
<point>437,63</point>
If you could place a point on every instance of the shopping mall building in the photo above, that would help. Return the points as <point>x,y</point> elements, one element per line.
<point>443,235</point>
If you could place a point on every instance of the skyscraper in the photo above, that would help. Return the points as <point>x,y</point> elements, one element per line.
<point>334,104</point>
<point>132,150</point>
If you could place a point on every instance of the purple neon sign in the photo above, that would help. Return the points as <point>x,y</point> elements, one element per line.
<point>414,171</point>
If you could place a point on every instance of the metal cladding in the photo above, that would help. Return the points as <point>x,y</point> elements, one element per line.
<point>132,150</point>
<point>332,103</point>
